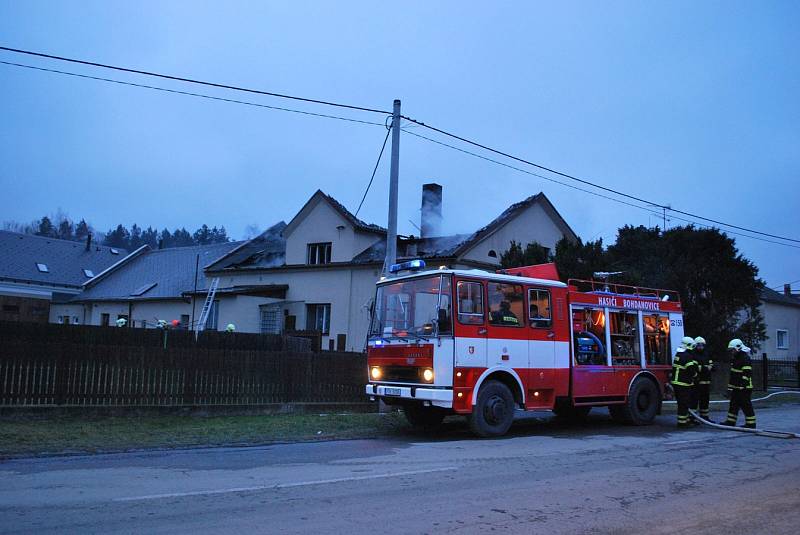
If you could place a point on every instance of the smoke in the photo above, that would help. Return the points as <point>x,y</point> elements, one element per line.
<point>431,211</point>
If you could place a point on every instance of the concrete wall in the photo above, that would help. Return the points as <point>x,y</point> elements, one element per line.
<point>777,316</point>
<point>533,224</point>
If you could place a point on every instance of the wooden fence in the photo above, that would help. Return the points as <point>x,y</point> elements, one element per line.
<point>53,365</point>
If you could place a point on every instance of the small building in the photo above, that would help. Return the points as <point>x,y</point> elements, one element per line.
<point>40,275</point>
<point>782,318</point>
<point>151,285</point>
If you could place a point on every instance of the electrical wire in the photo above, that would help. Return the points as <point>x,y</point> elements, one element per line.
<point>359,108</point>
<point>380,154</point>
<point>620,201</point>
<point>188,93</point>
<point>588,183</point>
<point>780,286</point>
<point>190,80</point>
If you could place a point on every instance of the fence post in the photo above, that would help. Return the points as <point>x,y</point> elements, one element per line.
<point>765,371</point>
<point>798,372</point>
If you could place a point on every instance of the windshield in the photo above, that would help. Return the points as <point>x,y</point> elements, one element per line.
<point>415,307</point>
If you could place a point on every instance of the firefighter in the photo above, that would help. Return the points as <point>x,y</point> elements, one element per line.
<point>740,385</point>
<point>684,375</point>
<point>504,316</point>
<point>703,387</point>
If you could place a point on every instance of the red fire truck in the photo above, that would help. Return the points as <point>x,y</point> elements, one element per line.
<point>485,345</point>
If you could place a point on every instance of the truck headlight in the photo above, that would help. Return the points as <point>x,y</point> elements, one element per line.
<point>427,375</point>
<point>376,373</point>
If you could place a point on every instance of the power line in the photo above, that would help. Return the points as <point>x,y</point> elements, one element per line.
<point>190,80</point>
<point>778,287</point>
<point>380,154</point>
<point>588,183</point>
<point>188,93</point>
<point>620,201</point>
<point>360,108</point>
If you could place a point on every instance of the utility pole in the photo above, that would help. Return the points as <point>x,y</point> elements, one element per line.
<point>391,235</point>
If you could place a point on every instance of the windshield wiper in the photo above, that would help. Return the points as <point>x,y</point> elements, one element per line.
<point>418,337</point>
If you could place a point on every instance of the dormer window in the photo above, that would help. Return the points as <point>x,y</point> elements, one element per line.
<point>319,253</point>
<point>42,268</point>
<point>114,251</point>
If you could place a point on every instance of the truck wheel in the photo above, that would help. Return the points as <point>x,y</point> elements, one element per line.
<point>565,410</point>
<point>493,413</point>
<point>642,404</point>
<point>424,418</point>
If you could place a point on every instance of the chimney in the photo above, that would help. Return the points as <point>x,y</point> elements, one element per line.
<point>787,290</point>
<point>89,241</point>
<point>431,215</point>
<point>161,244</point>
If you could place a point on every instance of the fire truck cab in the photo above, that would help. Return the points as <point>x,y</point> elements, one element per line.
<point>485,345</point>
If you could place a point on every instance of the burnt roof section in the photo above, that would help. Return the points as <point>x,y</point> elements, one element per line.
<point>65,260</point>
<point>426,248</point>
<point>266,250</point>
<point>771,296</point>
<point>511,212</point>
<point>156,274</point>
<point>356,222</point>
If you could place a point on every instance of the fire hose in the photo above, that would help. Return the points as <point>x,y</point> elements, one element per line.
<point>760,432</point>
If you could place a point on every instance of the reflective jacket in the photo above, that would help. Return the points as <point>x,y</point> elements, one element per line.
<point>684,369</point>
<point>704,364</point>
<point>741,377</point>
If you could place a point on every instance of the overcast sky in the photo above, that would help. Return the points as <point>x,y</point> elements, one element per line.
<point>689,104</point>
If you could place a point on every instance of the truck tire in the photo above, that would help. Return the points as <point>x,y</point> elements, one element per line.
<point>565,410</point>
<point>642,405</point>
<point>424,418</point>
<point>493,412</point>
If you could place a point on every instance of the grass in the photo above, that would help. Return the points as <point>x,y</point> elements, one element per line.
<point>72,435</point>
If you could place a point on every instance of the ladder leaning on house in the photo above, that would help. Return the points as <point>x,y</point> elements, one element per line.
<point>209,303</point>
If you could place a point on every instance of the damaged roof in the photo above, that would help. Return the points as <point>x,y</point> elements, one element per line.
<point>266,250</point>
<point>425,248</point>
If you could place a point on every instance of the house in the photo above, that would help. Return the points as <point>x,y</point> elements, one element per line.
<point>782,318</point>
<point>40,275</point>
<point>318,272</point>
<point>150,285</point>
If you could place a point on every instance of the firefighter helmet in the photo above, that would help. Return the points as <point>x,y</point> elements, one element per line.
<point>688,342</point>
<point>699,340</point>
<point>738,345</point>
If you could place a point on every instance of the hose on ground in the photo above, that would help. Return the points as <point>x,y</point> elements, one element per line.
<point>760,432</point>
<point>796,392</point>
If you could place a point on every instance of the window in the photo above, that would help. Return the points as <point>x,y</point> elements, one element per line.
<point>185,320</point>
<point>104,319</point>
<point>624,338</point>
<point>88,273</point>
<point>319,253</point>
<point>318,318</point>
<point>589,334</point>
<point>270,319</point>
<point>42,268</point>
<point>413,307</point>
<point>213,316</point>
<point>782,339</point>
<point>470,302</point>
<point>539,308</point>
<point>114,251</point>
<point>506,305</point>
<point>656,339</point>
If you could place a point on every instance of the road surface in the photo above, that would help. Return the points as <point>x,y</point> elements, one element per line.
<point>546,477</point>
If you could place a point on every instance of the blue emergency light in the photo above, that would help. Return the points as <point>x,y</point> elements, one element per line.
<point>411,265</point>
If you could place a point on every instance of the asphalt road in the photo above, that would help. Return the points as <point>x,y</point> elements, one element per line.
<point>546,477</point>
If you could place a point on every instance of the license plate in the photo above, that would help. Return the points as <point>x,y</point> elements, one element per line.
<point>391,391</point>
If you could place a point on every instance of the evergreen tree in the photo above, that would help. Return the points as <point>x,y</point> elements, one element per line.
<point>65,230</point>
<point>202,236</point>
<point>534,253</point>
<point>82,230</point>
<point>165,240</point>
<point>45,228</point>
<point>135,239</point>
<point>119,237</point>
<point>219,235</point>
<point>150,237</point>
<point>182,238</point>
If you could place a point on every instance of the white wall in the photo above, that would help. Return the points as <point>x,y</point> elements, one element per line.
<point>320,225</point>
<point>73,311</point>
<point>532,225</point>
<point>776,317</point>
